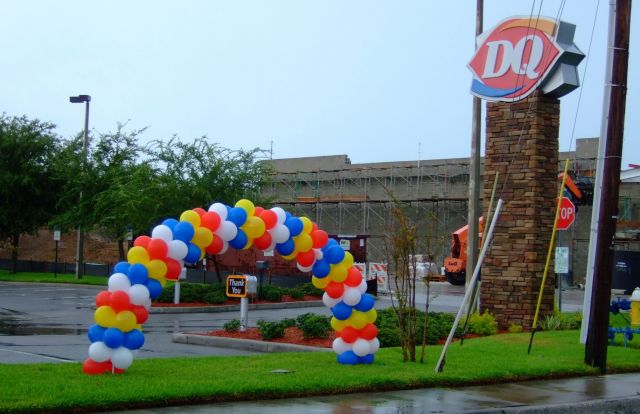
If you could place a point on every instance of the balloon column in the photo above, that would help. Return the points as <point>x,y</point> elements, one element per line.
<point>124,307</point>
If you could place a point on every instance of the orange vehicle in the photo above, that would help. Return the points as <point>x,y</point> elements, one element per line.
<point>455,266</point>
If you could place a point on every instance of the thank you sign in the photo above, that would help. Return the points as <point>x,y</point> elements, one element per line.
<point>237,286</point>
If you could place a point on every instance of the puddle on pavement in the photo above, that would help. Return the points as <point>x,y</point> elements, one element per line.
<point>25,330</point>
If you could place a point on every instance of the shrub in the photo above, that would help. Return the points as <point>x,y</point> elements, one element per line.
<point>270,330</point>
<point>389,337</point>
<point>272,293</point>
<point>483,325</point>
<point>296,293</point>
<point>195,292</point>
<point>232,326</point>
<point>315,326</point>
<point>214,297</point>
<point>289,322</point>
<point>550,323</point>
<point>515,328</point>
<point>303,317</point>
<point>309,289</point>
<point>571,320</point>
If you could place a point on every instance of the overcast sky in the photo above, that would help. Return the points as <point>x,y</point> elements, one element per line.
<point>370,79</point>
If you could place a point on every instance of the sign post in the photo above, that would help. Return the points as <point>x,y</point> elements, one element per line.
<point>240,286</point>
<point>56,237</point>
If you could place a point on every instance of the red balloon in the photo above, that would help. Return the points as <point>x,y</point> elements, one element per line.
<point>200,211</point>
<point>120,301</point>
<point>349,334</point>
<point>210,220</point>
<point>91,367</point>
<point>369,332</point>
<point>103,298</point>
<point>270,219</point>
<point>320,238</point>
<point>173,269</point>
<point>354,277</point>
<point>314,226</point>
<point>257,211</point>
<point>306,259</point>
<point>142,314</point>
<point>142,241</point>
<point>263,242</point>
<point>334,290</point>
<point>216,245</point>
<point>157,249</point>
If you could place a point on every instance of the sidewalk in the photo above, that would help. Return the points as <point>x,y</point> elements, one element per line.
<point>611,394</point>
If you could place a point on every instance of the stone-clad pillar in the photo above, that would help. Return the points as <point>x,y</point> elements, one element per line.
<point>522,144</point>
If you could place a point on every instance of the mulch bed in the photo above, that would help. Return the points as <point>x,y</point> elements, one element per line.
<point>292,335</point>
<point>285,299</point>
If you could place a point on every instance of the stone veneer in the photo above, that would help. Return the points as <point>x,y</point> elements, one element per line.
<point>522,144</point>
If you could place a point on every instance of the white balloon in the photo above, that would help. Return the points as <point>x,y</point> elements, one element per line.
<point>147,304</point>
<point>177,249</point>
<point>361,347</point>
<point>280,214</point>
<point>99,351</point>
<point>280,233</point>
<point>227,231</point>
<point>304,268</point>
<point>318,254</point>
<point>339,346</point>
<point>225,247</point>
<point>162,232</point>
<point>220,209</point>
<point>363,286</point>
<point>119,281</point>
<point>328,301</point>
<point>351,296</point>
<point>374,345</point>
<point>139,294</point>
<point>121,358</point>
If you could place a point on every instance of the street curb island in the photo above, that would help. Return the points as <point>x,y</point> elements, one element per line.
<point>627,405</point>
<point>243,344</point>
<point>232,308</point>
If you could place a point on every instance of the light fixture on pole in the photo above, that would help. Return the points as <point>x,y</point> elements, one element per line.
<point>79,251</point>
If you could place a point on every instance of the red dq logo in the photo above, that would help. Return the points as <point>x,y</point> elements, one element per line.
<point>514,58</point>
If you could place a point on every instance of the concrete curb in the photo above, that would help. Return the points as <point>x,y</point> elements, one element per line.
<point>243,344</point>
<point>232,308</point>
<point>617,405</point>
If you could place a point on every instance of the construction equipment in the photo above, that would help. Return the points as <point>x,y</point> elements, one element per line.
<point>455,266</point>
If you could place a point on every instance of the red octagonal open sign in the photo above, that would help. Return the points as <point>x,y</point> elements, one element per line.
<point>514,58</point>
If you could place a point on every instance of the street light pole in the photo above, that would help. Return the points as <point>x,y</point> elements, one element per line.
<point>85,143</point>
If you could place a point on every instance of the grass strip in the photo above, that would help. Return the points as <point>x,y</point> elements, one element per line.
<point>41,277</point>
<point>162,382</point>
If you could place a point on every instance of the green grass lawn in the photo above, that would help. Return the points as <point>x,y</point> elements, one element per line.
<point>36,277</point>
<point>161,382</point>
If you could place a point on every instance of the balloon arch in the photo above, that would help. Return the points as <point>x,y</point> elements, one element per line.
<point>124,307</point>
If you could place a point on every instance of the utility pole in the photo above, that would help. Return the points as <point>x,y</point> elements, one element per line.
<point>596,347</point>
<point>473,214</point>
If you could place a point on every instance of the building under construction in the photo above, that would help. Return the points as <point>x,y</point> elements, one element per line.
<point>357,199</point>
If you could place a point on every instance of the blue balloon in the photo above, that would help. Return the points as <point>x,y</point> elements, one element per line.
<point>237,216</point>
<point>287,215</point>
<point>295,225</point>
<point>239,241</point>
<point>138,274</point>
<point>330,243</point>
<point>134,339</point>
<point>193,253</point>
<point>334,254</point>
<point>321,268</point>
<point>113,338</point>
<point>348,358</point>
<point>367,302</point>
<point>95,333</point>
<point>155,288</point>
<point>121,267</point>
<point>342,311</point>
<point>171,223</point>
<point>183,231</point>
<point>367,359</point>
<point>286,248</point>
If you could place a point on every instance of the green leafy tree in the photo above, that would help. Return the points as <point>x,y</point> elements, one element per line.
<point>27,187</point>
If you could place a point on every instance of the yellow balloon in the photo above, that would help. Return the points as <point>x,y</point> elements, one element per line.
<point>139,327</point>
<point>337,324</point>
<point>290,256</point>
<point>357,320</point>
<point>157,269</point>
<point>248,245</point>
<point>105,316</point>
<point>247,206</point>
<point>202,237</point>
<point>307,225</point>
<point>138,254</point>
<point>192,217</point>
<point>320,283</point>
<point>348,260</point>
<point>372,315</point>
<point>163,281</point>
<point>254,227</point>
<point>303,242</point>
<point>126,321</point>
<point>338,273</point>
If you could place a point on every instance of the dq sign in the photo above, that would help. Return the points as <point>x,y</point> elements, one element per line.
<point>521,54</point>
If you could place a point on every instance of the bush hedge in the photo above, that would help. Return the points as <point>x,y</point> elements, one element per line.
<point>216,293</point>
